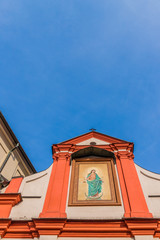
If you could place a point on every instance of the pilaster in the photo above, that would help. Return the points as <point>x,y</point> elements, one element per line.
<point>10,198</point>
<point>134,200</point>
<point>55,202</point>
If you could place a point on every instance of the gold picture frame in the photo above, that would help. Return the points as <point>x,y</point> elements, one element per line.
<point>93,182</point>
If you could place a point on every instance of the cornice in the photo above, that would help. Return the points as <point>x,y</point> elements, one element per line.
<point>7,201</point>
<point>4,225</point>
<point>10,198</point>
<point>71,148</point>
<point>94,134</point>
<point>142,226</point>
<point>49,226</point>
<point>79,228</point>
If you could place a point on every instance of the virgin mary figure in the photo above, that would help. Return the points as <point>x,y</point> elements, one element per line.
<point>94,185</point>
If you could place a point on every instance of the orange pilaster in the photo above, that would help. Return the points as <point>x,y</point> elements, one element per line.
<point>14,185</point>
<point>133,196</point>
<point>79,228</point>
<point>7,201</point>
<point>123,188</point>
<point>10,198</point>
<point>55,201</point>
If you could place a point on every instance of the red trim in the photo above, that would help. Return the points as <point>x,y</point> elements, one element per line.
<point>14,185</point>
<point>49,226</point>
<point>21,229</point>
<point>7,201</point>
<point>55,202</point>
<point>10,198</point>
<point>123,189</point>
<point>4,224</point>
<point>65,188</point>
<point>97,135</point>
<point>49,190</point>
<point>95,229</point>
<point>131,191</point>
<point>73,148</point>
<point>63,228</point>
<point>135,226</point>
<point>157,233</point>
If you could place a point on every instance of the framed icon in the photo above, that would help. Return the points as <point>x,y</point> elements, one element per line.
<point>93,182</point>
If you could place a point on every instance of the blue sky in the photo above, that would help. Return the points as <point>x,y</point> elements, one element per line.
<point>67,66</point>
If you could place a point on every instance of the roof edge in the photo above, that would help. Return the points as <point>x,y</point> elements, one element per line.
<point>24,155</point>
<point>92,132</point>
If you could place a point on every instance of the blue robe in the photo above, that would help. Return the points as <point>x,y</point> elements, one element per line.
<point>94,186</point>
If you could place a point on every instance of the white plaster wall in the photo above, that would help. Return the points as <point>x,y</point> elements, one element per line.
<point>149,237</point>
<point>19,238</point>
<point>98,142</point>
<point>33,190</point>
<point>48,237</point>
<point>95,212</point>
<point>150,183</point>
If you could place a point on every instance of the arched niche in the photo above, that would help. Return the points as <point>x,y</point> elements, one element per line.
<point>93,151</point>
<point>93,178</point>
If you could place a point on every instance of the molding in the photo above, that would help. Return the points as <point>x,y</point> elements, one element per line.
<point>14,185</point>
<point>157,233</point>
<point>131,187</point>
<point>4,225</point>
<point>149,176</point>
<point>10,198</point>
<point>142,227</point>
<point>94,134</point>
<point>56,196</point>
<point>49,226</point>
<point>55,206</point>
<point>95,229</point>
<point>7,201</point>
<point>77,228</point>
<point>21,229</point>
<point>113,147</point>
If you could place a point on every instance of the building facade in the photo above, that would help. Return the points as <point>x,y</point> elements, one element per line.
<point>93,190</point>
<point>13,160</point>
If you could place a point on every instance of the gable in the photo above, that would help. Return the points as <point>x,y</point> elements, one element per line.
<point>93,137</point>
<point>93,141</point>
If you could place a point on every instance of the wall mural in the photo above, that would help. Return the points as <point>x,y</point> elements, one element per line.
<point>93,182</point>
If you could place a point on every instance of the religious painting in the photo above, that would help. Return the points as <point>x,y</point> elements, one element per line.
<point>93,182</point>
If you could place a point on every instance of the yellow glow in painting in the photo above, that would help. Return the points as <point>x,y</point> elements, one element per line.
<point>93,183</point>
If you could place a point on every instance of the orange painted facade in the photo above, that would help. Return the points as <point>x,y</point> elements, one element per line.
<point>63,228</point>
<point>137,219</point>
<point>14,185</point>
<point>10,198</point>
<point>55,202</point>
